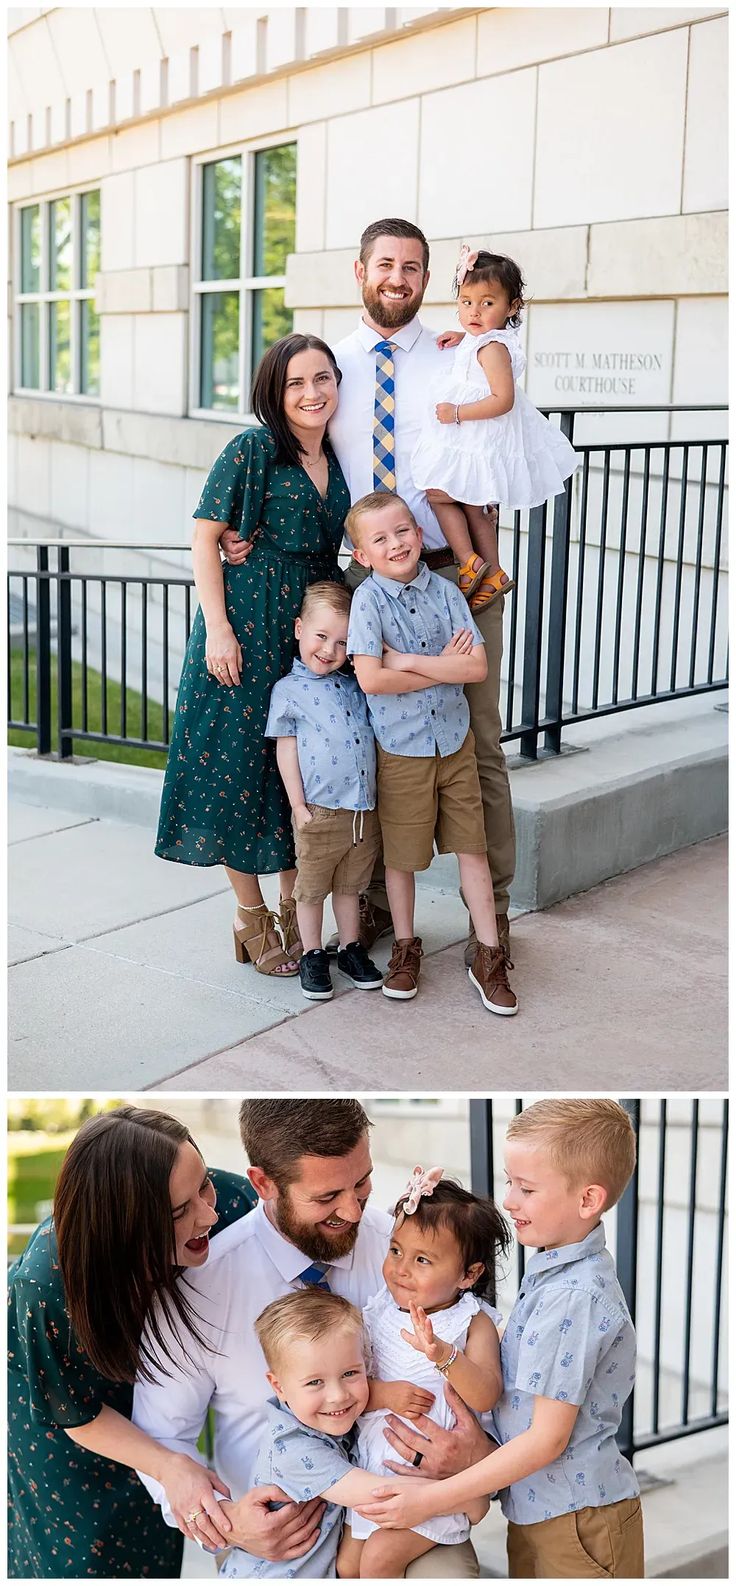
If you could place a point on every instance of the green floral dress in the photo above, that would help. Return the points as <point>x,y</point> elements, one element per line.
<point>73,1513</point>
<point>223,799</point>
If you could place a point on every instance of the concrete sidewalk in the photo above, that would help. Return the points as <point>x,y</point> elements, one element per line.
<point>122,976</point>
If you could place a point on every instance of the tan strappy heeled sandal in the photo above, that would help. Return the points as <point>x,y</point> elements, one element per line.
<point>289,929</point>
<point>258,942</point>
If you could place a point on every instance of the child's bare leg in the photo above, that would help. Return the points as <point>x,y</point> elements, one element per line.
<point>346,909</point>
<point>475,880</point>
<point>348,1555</point>
<point>484,535</point>
<point>387,1553</point>
<point>309,920</point>
<point>400,889</point>
<point>454,525</point>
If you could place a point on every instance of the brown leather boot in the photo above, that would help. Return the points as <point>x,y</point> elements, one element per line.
<point>374,923</point>
<point>402,977</point>
<point>471,946</point>
<point>488,975</point>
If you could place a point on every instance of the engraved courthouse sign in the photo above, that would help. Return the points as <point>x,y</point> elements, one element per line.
<point>599,354</point>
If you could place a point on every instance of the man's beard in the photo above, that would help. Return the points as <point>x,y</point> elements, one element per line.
<point>390,316</point>
<point>307,1237</point>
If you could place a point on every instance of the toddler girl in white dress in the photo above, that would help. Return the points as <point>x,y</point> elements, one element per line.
<point>430,1324</point>
<point>483,441</point>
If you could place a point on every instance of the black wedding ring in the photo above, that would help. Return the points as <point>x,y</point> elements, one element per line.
<point>417,1460</point>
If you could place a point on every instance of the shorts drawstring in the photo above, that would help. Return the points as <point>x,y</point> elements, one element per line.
<point>359,837</point>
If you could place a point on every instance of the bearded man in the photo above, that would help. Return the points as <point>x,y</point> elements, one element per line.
<point>310,1164</point>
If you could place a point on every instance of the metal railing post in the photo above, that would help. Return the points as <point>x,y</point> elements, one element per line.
<point>533,633</point>
<point>558,604</point>
<point>481,1147</point>
<point>64,655</point>
<point>43,653</point>
<point>627,1232</point>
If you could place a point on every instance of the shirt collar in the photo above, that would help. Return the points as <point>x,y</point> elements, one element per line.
<point>404,338</point>
<point>287,1259</point>
<point>394,588</point>
<point>564,1255</point>
<point>300,670</point>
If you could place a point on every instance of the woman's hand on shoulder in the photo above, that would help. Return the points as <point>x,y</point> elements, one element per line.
<point>223,655</point>
<point>191,1487</point>
<point>234,549</point>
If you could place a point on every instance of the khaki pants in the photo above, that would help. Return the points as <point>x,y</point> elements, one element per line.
<point>590,1544</point>
<point>458,1562</point>
<point>485,722</point>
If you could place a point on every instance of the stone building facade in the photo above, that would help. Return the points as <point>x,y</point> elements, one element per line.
<point>185,182</point>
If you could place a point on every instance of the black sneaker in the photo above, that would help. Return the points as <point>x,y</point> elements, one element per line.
<point>353,961</point>
<point>314,975</point>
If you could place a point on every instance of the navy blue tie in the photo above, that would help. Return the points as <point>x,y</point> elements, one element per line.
<point>314,1276</point>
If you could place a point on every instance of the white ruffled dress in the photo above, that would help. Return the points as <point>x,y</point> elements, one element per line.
<point>519,460</point>
<point>393,1360</point>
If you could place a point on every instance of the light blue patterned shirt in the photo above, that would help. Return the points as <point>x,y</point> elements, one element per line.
<point>416,618</point>
<point>569,1337</point>
<point>304,1463</point>
<point>328,716</point>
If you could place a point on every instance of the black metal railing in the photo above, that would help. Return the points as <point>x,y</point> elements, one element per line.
<point>620,602</point>
<point>670,1259</point>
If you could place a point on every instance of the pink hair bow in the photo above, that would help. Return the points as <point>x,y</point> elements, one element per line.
<point>465,264</point>
<point>421,1183</point>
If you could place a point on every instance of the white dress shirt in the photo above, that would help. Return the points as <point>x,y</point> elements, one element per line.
<point>416,361</point>
<point>250,1263</point>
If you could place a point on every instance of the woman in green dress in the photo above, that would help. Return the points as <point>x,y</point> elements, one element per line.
<point>281,488</point>
<point>134,1206</point>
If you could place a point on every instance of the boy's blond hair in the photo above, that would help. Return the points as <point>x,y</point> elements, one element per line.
<point>375,502</point>
<point>590,1141</point>
<point>336,596</point>
<point>305,1313</point>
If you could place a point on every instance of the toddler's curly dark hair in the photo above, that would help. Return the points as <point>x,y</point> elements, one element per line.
<point>476,1223</point>
<point>490,267</point>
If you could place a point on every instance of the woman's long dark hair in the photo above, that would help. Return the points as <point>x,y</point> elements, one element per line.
<point>117,1244</point>
<point>267,396</point>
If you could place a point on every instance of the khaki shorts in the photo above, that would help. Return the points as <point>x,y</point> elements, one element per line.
<point>330,856</point>
<point>590,1544</point>
<point>424,800</point>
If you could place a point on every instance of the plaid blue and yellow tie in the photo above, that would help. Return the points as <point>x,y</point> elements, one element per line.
<point>384,459</point>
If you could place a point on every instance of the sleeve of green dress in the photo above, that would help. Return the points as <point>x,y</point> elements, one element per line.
<point>235,487</point>
<point>63,1385</point>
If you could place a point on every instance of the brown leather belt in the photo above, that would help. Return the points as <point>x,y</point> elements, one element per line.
<point>436,559</point>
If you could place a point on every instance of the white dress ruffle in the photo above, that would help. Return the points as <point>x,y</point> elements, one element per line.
<point>519,460</point>
<point>393,1360</point>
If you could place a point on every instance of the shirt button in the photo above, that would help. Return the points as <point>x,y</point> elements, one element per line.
<point>424,644</point>
<point>433,713</point>
<point>358,740</point>
<point>347,713</point>
<point>413,610</point>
